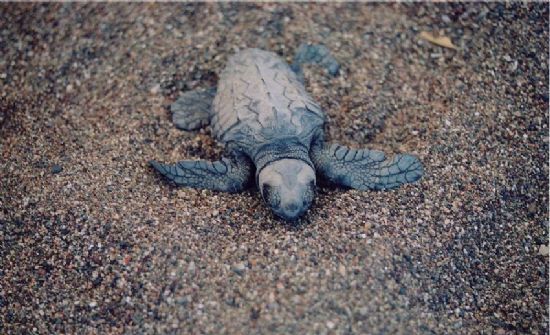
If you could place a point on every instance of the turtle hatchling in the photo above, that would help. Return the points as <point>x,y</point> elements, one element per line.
<point>273,132</point>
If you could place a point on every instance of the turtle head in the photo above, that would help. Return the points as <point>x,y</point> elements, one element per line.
<point>288,187</point>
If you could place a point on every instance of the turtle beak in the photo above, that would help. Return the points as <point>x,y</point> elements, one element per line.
<point>292,211</point>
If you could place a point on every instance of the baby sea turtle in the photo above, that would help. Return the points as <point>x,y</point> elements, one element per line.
<point>272,128</point>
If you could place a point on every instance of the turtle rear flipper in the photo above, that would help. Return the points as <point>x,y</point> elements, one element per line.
<point>314,54</point>
<point>228,174</point>
<point>364,169</point>
<point>192,110</point>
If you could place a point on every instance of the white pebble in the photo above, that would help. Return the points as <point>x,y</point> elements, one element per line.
<point>155,89</point>
<point>543,250</point>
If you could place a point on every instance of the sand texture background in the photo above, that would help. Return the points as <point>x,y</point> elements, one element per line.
<point>92,241</point>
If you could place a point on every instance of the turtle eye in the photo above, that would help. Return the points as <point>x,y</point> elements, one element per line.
<point>266,190</point>
<point>271,196</point>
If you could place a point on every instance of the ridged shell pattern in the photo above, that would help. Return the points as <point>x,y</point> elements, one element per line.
<point>260,101</point>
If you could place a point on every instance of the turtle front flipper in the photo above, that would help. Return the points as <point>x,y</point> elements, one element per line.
<point>365,169</point>
<point>227,175</point>
<point>314,54</point>
<point>192,110</point>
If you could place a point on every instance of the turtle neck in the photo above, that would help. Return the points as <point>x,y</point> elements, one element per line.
<point>284,149</point>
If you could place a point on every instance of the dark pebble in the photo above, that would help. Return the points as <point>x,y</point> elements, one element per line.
<point>56,169</point>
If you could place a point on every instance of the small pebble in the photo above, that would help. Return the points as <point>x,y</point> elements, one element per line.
<point>155,89</point>
<point>342,270</point>
<point>543,250</point>
<point>56,169</point>
<point>239,268</point>
<point>191,268</point>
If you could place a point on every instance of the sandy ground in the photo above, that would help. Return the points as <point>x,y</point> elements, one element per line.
<point>93,241</point>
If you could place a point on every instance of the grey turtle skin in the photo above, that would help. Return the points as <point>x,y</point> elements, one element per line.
<point>272,128</point>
